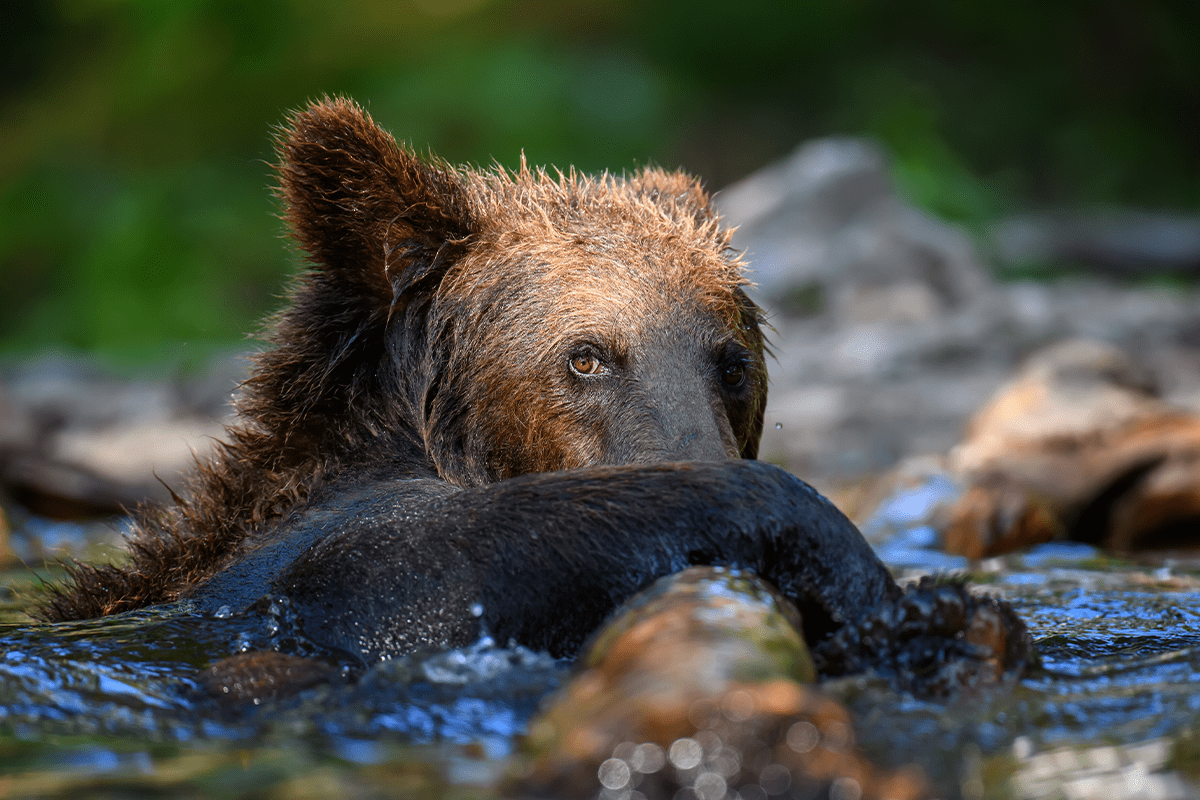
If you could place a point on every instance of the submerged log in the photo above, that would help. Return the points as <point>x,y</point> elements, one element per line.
<point>705,684</point>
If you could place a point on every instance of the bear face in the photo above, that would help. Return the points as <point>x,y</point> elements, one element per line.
<point>532,323</point>
<point>627,349</point>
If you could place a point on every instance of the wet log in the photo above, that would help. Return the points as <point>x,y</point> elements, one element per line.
<point>703,684</point>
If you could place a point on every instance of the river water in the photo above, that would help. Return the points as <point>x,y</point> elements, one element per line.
<point>113,708</point>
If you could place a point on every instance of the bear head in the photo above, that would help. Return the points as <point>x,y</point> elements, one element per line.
<point>484,324</point>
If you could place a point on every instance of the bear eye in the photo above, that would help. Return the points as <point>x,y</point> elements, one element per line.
<point>585,364</point>
<point>733,375</point>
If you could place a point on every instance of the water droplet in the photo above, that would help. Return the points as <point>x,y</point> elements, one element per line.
<point>845,789</point>
<point>613,773</point>
<point>703,713</point>
<point>802,737</point>
<point>710,786</point>
<point>1022,747</point>
<point>775,779</point>
<point>837,736</point>
<point>648,758</point>
<point>708,740</point>
<point>476,610</point>
<point>725,762</point>
<point>778,426</point>
<point>738,705</point>
<point>685,753</point>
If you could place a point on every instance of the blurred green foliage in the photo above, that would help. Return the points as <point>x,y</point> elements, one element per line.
<point>134,172</point>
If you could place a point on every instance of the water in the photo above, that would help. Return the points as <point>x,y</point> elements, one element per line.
<point>1120,666</point>
<point>116,702</point>
<point>113,707</point>
<point>1109,711</point>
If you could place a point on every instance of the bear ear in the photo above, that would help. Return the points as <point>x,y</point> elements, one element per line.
<point>369,213</point>
<point>751,428</point>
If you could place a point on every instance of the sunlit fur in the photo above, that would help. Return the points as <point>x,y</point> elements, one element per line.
<point>419,343</point>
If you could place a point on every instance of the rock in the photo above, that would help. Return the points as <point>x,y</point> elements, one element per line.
<point>1071,390</point>
<point>7,556</point>
<point>824,230</point>
<point>1117,241</point>
<point>889,330</point>
<point>254,678</point>
<point>77,441</point>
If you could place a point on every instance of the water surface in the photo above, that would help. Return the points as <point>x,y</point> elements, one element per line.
<point>113,707</point>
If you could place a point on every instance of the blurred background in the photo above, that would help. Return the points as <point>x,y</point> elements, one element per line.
<point>135,209</point>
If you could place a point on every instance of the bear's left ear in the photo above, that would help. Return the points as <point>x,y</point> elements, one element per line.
<point>369,213</point>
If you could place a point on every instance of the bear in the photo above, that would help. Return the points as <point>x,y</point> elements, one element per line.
<point>500,403</point>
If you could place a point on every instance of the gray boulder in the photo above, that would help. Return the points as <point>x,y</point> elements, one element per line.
<point>826,233</point>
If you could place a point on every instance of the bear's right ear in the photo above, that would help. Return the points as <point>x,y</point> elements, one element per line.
<point>369,213</point>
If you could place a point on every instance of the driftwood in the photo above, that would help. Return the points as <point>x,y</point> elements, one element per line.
<point>1079,446</point>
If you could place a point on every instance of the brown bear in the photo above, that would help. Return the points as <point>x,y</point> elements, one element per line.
<point>498,402</point>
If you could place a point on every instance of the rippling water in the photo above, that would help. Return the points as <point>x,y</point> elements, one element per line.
<point>112,707</point>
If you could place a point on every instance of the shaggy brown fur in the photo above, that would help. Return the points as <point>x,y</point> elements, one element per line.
<point>420,343</point>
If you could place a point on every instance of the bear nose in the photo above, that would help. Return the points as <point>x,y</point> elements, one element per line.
<point>688,426</point>
<point>696,444</point>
